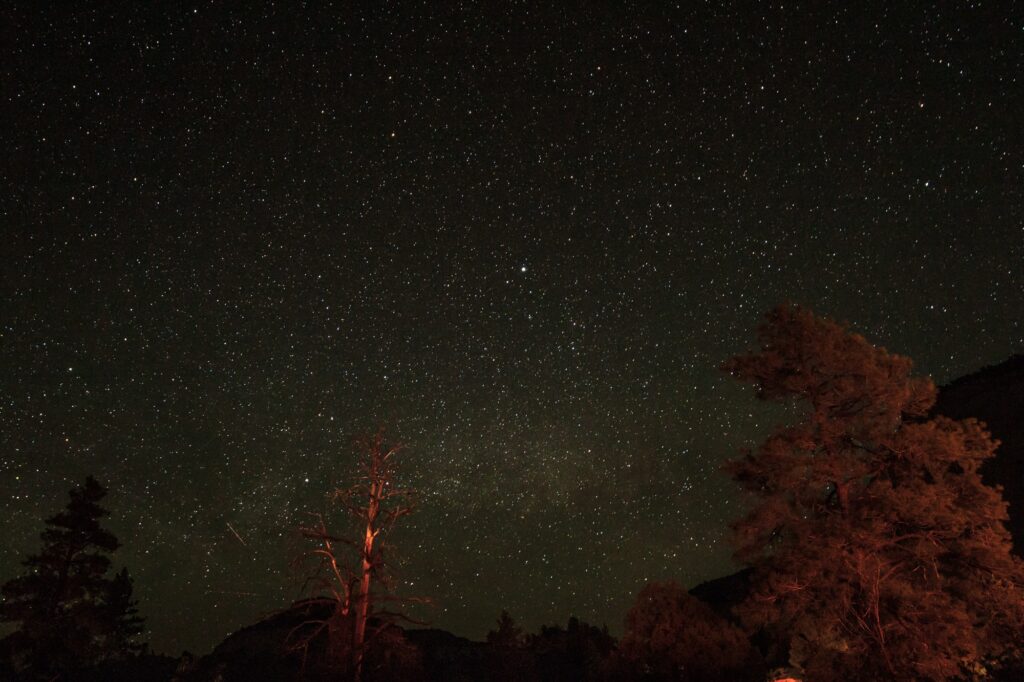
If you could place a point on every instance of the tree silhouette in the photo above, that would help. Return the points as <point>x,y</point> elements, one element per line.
<point>576,653</point>
<point>69,614</point>
<point>346,570</point>
<point>508,635</point>
<point>878,553</point>
<point>508,658</point>
<point>672,635</point>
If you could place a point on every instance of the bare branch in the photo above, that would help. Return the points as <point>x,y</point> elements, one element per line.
<point>348,567</point>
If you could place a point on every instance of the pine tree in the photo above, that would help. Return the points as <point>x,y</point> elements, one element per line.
<point>508,634</point>
<point>878,553</point>
<point>69,614</point>
<point>121,613</point>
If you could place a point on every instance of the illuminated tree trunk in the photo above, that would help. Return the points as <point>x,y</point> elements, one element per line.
<point>375,504</point>
<point>376,490</point>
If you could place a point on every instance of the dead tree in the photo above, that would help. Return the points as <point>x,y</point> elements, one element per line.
<point>346,570</point>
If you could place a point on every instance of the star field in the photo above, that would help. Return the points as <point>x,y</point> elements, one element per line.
<point>523,237</point>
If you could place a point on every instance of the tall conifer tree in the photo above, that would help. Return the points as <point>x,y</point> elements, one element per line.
<point>69,613</point>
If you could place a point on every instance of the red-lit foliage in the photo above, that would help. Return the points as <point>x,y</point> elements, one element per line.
<point>672,635</point>
<point>878,551</point>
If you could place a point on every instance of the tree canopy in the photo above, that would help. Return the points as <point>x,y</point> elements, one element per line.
<point>878,553</point>
<point>69,614</point>
<point>672,635</point>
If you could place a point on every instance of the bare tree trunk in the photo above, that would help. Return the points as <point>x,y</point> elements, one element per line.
<point>363,603</point>
<point>377,505</point>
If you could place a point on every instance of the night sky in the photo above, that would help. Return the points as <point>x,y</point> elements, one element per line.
<point>522,235</point>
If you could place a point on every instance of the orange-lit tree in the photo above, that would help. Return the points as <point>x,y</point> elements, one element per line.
<point>878,553</point>
<point>673,636</point>
<point>350,583</point>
